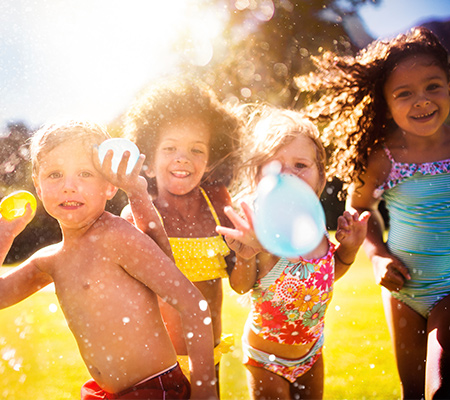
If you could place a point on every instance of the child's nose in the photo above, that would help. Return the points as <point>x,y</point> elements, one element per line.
<point>181,156</point>
<point>69,185</point>
<point>422,101</point>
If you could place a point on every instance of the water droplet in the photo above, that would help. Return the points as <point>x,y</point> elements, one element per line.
<point>125,320</point>
<point>207,321</point>
<point>203,304</point>
<point>53,308</point>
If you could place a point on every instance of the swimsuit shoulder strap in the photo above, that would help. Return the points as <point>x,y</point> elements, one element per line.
<point>211,208</point>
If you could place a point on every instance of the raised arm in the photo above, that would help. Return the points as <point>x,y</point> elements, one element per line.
<point>350,233</point>
<point>24,280</point>
<point>243,241</point>
<point>140,211</point>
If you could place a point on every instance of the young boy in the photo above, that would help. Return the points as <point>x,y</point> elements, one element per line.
<point>108,276</point>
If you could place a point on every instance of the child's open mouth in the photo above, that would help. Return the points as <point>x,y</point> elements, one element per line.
<point>180,174</point>
<point>424,117</point>
<point>71,204</point>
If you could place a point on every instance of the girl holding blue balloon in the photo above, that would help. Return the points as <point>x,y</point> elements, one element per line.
<point>286,259</point>
<point>392,145</point>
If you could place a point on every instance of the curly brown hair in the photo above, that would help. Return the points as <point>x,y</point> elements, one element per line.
<point>346,95</point>
<point>174,99</point>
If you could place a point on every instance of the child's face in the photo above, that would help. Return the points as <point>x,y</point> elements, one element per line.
<point>181,156</point>
<point>70,187</point>
<point>417,94</point>
<point>299,158</point>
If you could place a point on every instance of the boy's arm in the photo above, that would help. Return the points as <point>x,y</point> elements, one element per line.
<point>146,262</point>
<point>24,280</point>
<point>141,211</point>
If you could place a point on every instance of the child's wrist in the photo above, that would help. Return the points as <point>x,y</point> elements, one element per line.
<point>343,261</point>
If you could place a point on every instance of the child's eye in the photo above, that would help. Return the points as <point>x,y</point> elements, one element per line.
<point>433,86</point>
<point>300,165</point>
<point>85,174</point>
<point>198,151</point>
<point>55,175</point>
<point>403,94</point>
<point>168,148</point>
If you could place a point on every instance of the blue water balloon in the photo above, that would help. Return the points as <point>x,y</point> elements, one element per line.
<point>289,218</point>
<point>119,146</point>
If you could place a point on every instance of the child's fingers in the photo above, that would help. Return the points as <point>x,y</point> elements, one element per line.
<point>239,222</point>
<point>123,164</point>
<point>248,213</point>
<point>229,232</point>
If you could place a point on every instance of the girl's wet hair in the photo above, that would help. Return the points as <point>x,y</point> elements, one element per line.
<point>177,99</point>
<point>346,96</point>
<point>268,129</point>
<point>51,135</point>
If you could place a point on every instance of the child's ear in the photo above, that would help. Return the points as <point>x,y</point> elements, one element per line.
<point>148,171</point>
<point>36,185</point>
<point>111,191</point>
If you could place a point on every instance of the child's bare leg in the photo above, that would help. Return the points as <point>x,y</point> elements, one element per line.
<point>265,385</point>
<point>438,355</point>
<point>309,385</point>
<point>408,332</point>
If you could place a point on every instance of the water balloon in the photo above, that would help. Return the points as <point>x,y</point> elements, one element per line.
<point>289,218</point>
<point>119,146</point>
<point>13,205</point>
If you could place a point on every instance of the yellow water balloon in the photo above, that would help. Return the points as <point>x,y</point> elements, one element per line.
<point>14,205</point>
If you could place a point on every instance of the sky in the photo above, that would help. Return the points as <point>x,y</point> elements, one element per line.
<point>90,58</point>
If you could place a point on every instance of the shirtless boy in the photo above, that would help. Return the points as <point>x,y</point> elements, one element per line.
<point>107,276</point>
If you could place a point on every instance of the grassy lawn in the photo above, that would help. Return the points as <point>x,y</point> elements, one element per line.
<point>39,358</point>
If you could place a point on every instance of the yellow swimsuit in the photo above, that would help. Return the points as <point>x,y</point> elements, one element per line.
<point>201,259</point>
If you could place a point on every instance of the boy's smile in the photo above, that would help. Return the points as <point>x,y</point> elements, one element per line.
<point>70,187</point>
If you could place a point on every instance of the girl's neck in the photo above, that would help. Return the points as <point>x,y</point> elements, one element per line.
<point>419,149</point>
<point>180,203</point>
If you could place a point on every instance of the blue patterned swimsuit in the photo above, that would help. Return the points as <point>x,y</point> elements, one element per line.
<point>418,200</point>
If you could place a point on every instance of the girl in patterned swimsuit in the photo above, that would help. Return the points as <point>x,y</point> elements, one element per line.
<point>188,138</point>
<point>283,336</point>
<point>392,143</point>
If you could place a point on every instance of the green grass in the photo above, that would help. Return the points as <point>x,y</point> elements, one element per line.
<point>39,358</point>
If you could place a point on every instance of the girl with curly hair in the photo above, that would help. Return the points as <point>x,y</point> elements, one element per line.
<point>384,113</point>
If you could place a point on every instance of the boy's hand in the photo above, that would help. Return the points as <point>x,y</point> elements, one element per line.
<point>129,183</point>
<point>242,240</point>
<point>352,229</point>
<point>15,226</point>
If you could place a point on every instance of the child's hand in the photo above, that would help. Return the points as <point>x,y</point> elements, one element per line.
<point>129,183</point>
<point>242,240</point>
<point>352,229</point>
<point>390,272</point>
<point>12,228</point>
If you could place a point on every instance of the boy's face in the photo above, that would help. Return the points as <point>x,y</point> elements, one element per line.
<point>70,187</point>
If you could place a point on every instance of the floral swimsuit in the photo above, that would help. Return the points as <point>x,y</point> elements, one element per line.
<point>288,307</point>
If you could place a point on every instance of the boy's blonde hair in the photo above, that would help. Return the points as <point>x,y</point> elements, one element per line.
<point>268,129</point>
<point>52,135</point>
